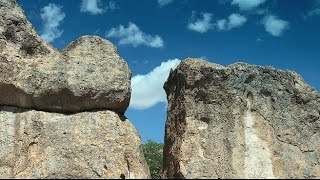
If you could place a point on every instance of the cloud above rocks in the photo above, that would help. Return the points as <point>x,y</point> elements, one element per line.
<point>164,2</point>
<point>51,17</point>
<point>315,11</point>
<point>274,25</point>
<point>233,21</point>
<point>112,6</point>
<point>132,35</point>
<point>96,7</point>
<point>246,5</point>
<point>147,90</point>
<point>206,22</point>
<point>202,24</point>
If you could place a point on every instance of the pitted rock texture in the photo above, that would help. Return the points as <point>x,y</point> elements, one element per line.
<point>97,144</point>
<point>61,112</point>
<point>87,75</point>
<point>240,121</point>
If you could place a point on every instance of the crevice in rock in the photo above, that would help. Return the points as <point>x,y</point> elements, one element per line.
<point>95,172</point>
<point>18,109</point>
<point>128,167</point>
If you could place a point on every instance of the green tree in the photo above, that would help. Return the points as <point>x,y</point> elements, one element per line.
<point>153,153</point>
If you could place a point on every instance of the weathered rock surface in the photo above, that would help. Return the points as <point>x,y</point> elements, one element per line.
<point>87,75</point>
<point>61,112</point>
<point>97,144</point>
<point>240,121</point>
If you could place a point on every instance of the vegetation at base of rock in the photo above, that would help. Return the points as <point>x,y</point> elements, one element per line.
<point>153,153</point>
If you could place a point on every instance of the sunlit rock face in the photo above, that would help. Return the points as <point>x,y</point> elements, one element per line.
<point>95,144</point>
<point>88,74</point>
<point>61,112</point>
<point>240,121</point>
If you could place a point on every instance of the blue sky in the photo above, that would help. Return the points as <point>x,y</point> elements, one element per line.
<point>154,35</point>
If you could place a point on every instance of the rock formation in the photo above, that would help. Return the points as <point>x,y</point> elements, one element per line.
<point>87,75</point>
<point>240,121</point>
<point>92,144</point>
<point>61,112</point>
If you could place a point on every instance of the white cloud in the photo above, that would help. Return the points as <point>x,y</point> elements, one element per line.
<point>51,16</point>
<point>222,24</point>
<point>132,35</point>
<point>274,25</point>
<point>233,21</point>
<point>205,23</point>
<point>259,40</point>
<point>147,90</point>
<point>315,11</point>
<point>247,5</point>
<point>113,6</point>
<point>201,25</point>
<point>95,7</point>
<point>164,2</point>
<point>92,6</point>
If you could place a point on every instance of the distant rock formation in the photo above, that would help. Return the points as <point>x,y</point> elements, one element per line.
<point>240,121</point>
<point>61,113</point>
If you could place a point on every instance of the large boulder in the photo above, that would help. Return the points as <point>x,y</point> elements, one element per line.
<point>240,121</point>
<point>97,144</point>
<point>87,75</point>
<point>61,112</point>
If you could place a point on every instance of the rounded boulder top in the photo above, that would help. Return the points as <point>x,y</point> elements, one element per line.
<point>89,42</point>
<point>87,75</point>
